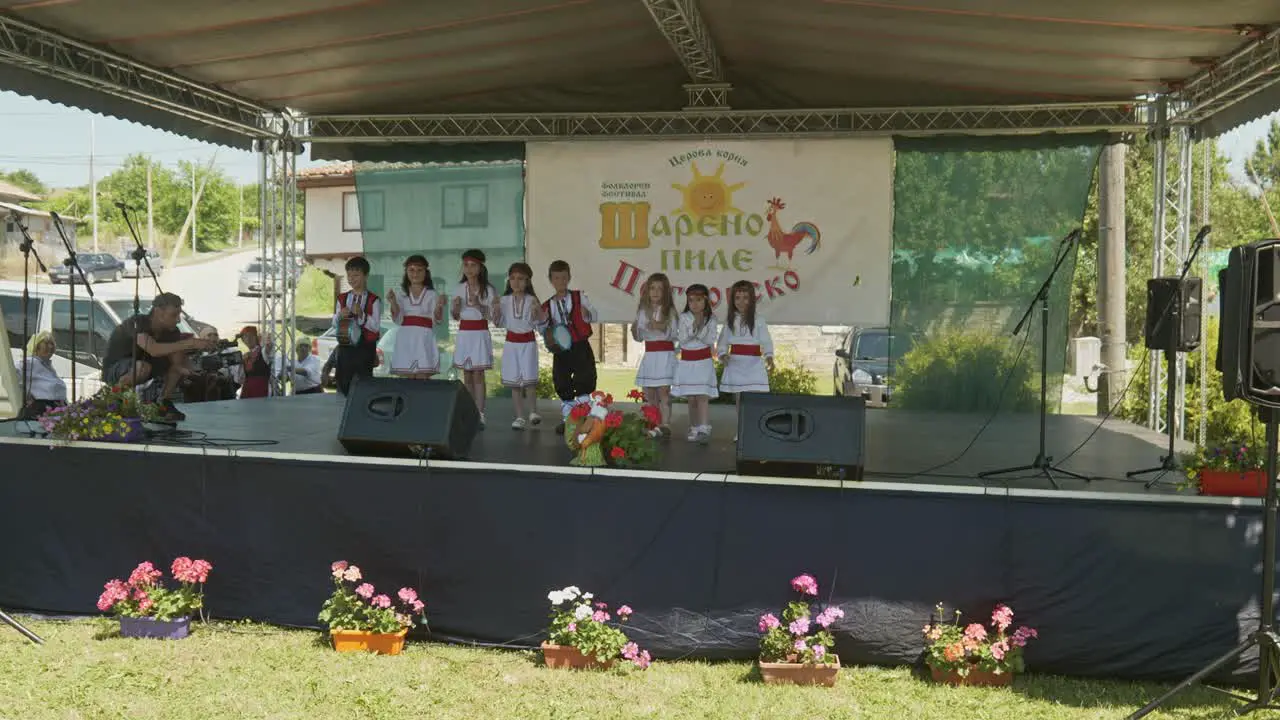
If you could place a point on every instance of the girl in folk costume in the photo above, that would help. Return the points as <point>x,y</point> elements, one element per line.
<point>521,314</point>
<point>656,320</point>
<point>416,308</point>
<point>695,375</point>
<point>745,348</point>
<point>474,303</point>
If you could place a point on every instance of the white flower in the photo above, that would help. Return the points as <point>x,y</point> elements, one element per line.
<point>587,596</point>
<point>557,597</point>
<point>582,612</point>
<point>572,592</point>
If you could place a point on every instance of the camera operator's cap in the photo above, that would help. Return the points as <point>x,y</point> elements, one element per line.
<point>249,329</point>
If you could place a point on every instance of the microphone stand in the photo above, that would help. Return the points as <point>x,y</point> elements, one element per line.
<point>1169,463</point>
<point>139,256</point>
<point>28,248</point>
<point>1043,462</point>
<point>73,263</point>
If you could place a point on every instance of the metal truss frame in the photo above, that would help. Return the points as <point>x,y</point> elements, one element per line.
<point>682,24</point>
<point>982,120</point>
<point>1247,71</point>
<point>278,205</point>
<point>42,51</point>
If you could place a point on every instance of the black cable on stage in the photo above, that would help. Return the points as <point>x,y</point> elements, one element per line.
<point>191,438</point>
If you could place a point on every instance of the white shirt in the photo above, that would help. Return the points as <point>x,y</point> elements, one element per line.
<point>43,381</point>
<point>310,376</point>
<point>562,308</point>
<point>740,334</point>
<point>644,329</point>
<point>692,338</point>
<point>479,311</point>
<point>355,303</point>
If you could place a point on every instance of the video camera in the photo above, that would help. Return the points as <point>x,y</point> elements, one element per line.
<point>226,355</point>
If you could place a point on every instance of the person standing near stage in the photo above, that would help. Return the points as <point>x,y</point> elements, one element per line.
<point>306,371</point>
<point>364,309</point>
<point>655,326</point>
<point>573,369</point>
<point>522,316</point>
<point>695,375</point>
<point>416,308</point>
<point>745,348</point>
<point>257,366</point>
<point>475,301</point>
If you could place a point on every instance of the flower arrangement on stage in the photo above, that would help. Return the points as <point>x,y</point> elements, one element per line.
<point>602,436</point>
<point>113,414</point>
<point>583,633</point>
<point>147,608</point>
<point>972,654</point>
<point>800,639</point>
<point>1234,469</point>
<point>361,619</point>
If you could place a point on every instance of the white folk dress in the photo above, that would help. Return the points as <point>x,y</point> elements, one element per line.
<point>415,350</point>
<point>658,366</point>
<point>520,353</point>
<point>473,349</point>
<point>745,353</point>
<point>695,377</point>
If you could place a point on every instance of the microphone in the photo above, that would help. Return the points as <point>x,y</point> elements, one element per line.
<point>1073,236</point>
<point>124,206</point>
<point>1200,236</point>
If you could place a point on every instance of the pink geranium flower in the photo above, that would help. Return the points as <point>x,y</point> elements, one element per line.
<point>1002,617</point>
<point>365,590</point>
<point>624,611</point>
<point>768,622</point>
<point>805,584</point>
<point>144,574</point>
<point>975,632</point>
<point>381,601</point>
<point>407,595</point>
<point>351,574</point>
<point>600,616</point>
<point>799,626</point>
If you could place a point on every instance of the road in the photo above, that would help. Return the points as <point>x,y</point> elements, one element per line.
<point>208,291</point>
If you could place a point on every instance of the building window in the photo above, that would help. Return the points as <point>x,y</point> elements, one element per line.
<point>465,206</point>
<point>363,211</point>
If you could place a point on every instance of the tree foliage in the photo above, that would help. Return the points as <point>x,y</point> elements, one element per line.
<point>26,180</point>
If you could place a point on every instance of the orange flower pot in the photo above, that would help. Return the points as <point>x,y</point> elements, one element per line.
<point>1251,483</point>
<point>975,677</point>
<point>801,674</point>
<point>567,657</point>
<point>361,641</point>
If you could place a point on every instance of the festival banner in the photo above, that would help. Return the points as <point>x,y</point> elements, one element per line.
<point>808,222</point>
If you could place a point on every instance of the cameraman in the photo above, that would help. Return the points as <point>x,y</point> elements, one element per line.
<point>212,384</point>
<point>257,366</point>
<point>160,350</point>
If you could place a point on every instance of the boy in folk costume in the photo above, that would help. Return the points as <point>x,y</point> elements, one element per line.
<point>522,316</point>
<point>573,368</point>
<point>364,310</point>
<point>745,348</point>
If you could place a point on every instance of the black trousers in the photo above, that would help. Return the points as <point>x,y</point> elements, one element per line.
<point>573,372</point>
<point>354,361</point>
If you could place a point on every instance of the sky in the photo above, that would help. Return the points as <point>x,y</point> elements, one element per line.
<point>55,143</point>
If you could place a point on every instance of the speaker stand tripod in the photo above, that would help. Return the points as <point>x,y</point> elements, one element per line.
<point>1043,462</point>
<point>21,630</point>
<point>1169,462</point>
<point>1265,637</point>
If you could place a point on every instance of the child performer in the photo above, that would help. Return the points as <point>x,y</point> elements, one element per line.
<point>365,310</point>
<point>656,320</point>
<point>520,313</point>
<point>745,348</point>
<point>695,375</point>
<point>573,369</point>
<point>416,308</point>
<point>474,302</point>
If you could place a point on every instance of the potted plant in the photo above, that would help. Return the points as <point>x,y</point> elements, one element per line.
<point>148,609</point>
<point>1235,469</point>
<point>114,414</point>
<point>600,435</point>
<point>582,634</point>
<point>360,619</point>
<point>972,654</point>
<point>798,649</point>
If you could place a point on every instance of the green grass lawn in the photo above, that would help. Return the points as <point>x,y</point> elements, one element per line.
<point>238,671</point>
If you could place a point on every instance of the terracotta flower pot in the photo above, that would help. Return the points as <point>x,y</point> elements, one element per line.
<point>1251,483</point>
<point>570,658</point>
<point>361,641</point>
<point>791,673</point>
<point>975,677</point>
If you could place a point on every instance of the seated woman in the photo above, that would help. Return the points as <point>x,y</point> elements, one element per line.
<point>45,390</point>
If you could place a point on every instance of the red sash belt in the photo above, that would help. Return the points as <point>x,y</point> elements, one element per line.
<point>659,346</point>
<point>416,321</point>
<point>699,354</point>
<point>520,337</point>
<point>744,350</point>
<point>473,324</point>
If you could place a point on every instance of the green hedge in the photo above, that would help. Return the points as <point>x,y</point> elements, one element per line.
<point>964,371</point>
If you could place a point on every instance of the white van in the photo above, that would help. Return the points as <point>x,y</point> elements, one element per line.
<point>49,310</point>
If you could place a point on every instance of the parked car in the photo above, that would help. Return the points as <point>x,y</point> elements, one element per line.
<point>324,344</point>
<point>153,259</point>
<point>97,267</point>
<point>253,280</point>
<point>123,308</point>
<point>865,361</point>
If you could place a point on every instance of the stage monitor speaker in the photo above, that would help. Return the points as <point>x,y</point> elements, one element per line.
<point>399,417</point>
<point>807,436</point>
<point>1249,334</point>
<point>1179,330</point>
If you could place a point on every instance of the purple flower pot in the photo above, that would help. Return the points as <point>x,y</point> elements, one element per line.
<point>134,434</point>
<point>145,627</point>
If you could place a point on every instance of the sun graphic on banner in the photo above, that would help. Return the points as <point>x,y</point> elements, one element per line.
<point>707,195</point>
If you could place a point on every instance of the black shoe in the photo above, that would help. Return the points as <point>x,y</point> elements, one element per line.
<point>171,412</point>
<point>560,429</point>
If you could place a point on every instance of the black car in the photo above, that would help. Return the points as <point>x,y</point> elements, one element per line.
<point>864,363</point>
<point>98,267</point>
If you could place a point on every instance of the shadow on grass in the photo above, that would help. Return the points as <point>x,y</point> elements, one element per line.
<point>1092,692</point>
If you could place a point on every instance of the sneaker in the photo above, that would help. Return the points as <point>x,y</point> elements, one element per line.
<point>535,418</point>
<point>560,429</point>
<point>666,430</point>
<point>704,434</point>
<point>735,439</point>
<point>481,421</point>
<point>518,424</point>
<point>694,434</point>
<point>171,412</point>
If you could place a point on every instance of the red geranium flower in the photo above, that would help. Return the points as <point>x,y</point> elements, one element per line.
<point>652,415</point>
<point>617,453</point>
<point>579,411</point>
<point>613,420</point>
<point>608,400</point>
<point>635,394</point>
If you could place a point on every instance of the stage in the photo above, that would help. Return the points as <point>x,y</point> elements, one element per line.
<point>699,552</point>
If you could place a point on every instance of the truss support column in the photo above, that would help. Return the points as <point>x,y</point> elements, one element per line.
<point>278,246</point>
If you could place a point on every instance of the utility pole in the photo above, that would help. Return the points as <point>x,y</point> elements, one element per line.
<point>1111,276</point>
<point>194,210</point>
<point>93,184</point>
<point>151,225</point>
<point>240,218</point>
